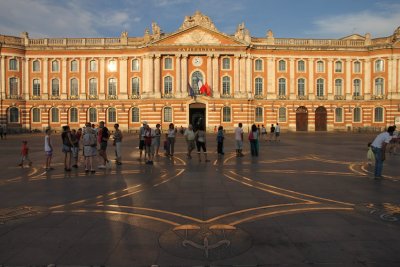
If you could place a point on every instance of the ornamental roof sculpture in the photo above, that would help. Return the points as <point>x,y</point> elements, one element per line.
<point>198,19</point>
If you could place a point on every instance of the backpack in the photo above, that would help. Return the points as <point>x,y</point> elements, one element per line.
<point>89,139</point>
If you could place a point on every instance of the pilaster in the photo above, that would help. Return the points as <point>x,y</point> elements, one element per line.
<point>82,91</point>
<point>45,83</point>
<point>25,76</point>
<point>311,82</point>
<point>102,81</point>
<point>2,77</point>
<point>330,79</point>
<point>236,75</point>
<point>367,79</point>
<point>271,90</point>
<point>157,76</point>
<point>292,87</point>
<point>215,75</point>
<point>123,78</point>
<point>63,78</point>
<point>249,79</point>
<point>184,62</point>
<point>348,78</point>
<point>242,76</point>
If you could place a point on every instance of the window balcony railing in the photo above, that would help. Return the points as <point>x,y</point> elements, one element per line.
<point>36,97</point>
<point>378,97</point>
<point>55,97</point>
<point>112,97</point>
<point>73,97</point>
<point>14,97</point>
<point>302,97</point>
<point>339,97</point>
<point>226,96</point>
<point>322,97</point>
<point>93,97</point>
<point>258,97</point>
<point>282,97</point>
<point>358,97</point>
<point>168,96</point>
<point>135,96</point>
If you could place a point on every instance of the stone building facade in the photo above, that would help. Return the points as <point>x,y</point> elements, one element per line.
<point>303,84</point>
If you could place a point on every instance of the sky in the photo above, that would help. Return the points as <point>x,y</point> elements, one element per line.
<point>332,19</point>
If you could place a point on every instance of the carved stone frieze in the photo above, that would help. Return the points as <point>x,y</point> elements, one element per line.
<point>197,37</point>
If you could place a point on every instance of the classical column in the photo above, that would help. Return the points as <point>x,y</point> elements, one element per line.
<point>25,76</point>
<point>123,78</point>
<point>2,77</point>
<point>330,80</point>
<point>236,75</point>
<point>271,90</point>
<point>209,70</point>
<point>367,79</point>
<point>178,77</point>
<point>391,76</point>
<point>45,83</point>
<point>291,79</point>
<point>184,62</point>
<point>145,75</point>
<point>310,83</point>
<point>348,78</point>
<point>215,67</point>
<point>102,78</point>
<point>64,79</point>
<point>151,75</point>
<point>397,95</point>
<point>82,91</point>
<point>242,76</point>
<point>249,79</point>
<point>157,76</point>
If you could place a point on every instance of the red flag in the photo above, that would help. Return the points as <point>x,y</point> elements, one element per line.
<point>208,89</point>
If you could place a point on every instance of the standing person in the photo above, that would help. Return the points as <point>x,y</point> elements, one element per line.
<point>200,138</point>
<point>141,140</point>
<point>166,145</point>
<point>379,148</point>
<point>220,141</point>
<point>253,138</point>
<point>24,154</point>
<point>148,142</point>
<point>117,143</point>
<point>48,149</point>
<point>157,139</point>
<point>67,147</point>
<point>263,131</point>
<point>190,143</point>
<point>103,136</point>
<point>277,132</point>
<point>171,139</point>
<point>89,147</point>
<point>272,133</point>
<point>239,140</point>
<point>75,147</point>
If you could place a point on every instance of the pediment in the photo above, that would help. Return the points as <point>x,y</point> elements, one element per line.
<point>353,37</point>
<point>198,35</point>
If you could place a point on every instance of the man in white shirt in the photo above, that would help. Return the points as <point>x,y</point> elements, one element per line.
<point>277,132</point>
<point>239,140</point>
<point>379,148</point>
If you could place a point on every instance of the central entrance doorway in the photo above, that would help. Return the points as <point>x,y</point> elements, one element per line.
<point>197,115</point>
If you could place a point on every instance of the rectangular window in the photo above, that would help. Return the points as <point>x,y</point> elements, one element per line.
<point>168,63</point>
<point>357,115</point>
<point>258,65</point>
<point>74,66</point>
<point>73,115</point>
<point>167,114</point>
<point>378,114</point>
<point>55,66</point>
<point>226,114</point>
<point>135,65</point>
<point>13,64</point>
<point>226,63</point>
<point>36,87</point>
<point>93,65</point>
<point>36,115</point>
<point>282,65</point>
<point>259,114</point>
<point>357,67</point>
<point>282,114</point>
<point>339,115</point>
<point>320,66</point>
<point>301,66</point>
<point>36,66</point>
<point>54,115</point>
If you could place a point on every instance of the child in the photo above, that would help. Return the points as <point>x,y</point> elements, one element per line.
<point>370,155</point>
<point>166,145</point>
<point>48,149</point>
<point>24,154</point>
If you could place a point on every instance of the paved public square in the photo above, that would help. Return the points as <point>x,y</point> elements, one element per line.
<point>308,200</point>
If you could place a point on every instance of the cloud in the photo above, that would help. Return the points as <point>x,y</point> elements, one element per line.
<point>379,22</point>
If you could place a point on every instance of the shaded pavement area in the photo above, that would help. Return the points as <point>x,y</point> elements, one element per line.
<point>308,200</point>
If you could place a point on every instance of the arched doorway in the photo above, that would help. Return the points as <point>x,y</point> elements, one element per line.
<point>320,119</point>
<point>302,119</point>
<point>197,115</point>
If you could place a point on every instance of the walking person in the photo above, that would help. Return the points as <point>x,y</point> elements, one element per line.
<point>220,141</point>
<point>200,137</point>
<point>190,142</point>
<point>157,139</point>
<point>75,148</point>
<point>48,150</point>
<point>141,140</point>
<point>67,147</point>
<point>89,147</point>
<point>379,148</point>
<point>171,139</point>
<point>272,133</point>
<point>239,140</point>
<point>24,154</point>
<point>103,136</point>
<point>253,138</point>
<point>149,145</point>
<point>117,144</point>
<point>277,132</point>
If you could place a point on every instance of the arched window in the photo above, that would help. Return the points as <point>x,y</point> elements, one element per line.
<point>135,86</point>
<point>320,87</point>
<point>282,114</point>
<point>36,115</point>
<point>197,78</point>
<point>135,64</point>
<point>36,87</point>
<point>338,114</point>
<point>226,114</point>
<point>282,65</point>
<point>36,66</point>
<point>226,63</point>
<point>93,65</point>
<point>13,87</point>
<point>301,86</point>
<point>14,115</point>
<point>226,85</point>
<point>379,65</point>
<point>378,114</point>
<point>357,114</point>
<point>55,87</point>
<point>338,87</point>
<point>301,66</point>
<point>135,115</point>
<point>73,115</point>
<point>168,63</point>
<point>258,65</point>
<point>74,87</point>
<point>379,89</point>
<point>357,67</point>
<point>320,66</point>
<point>112,87</point>
<point>338,66</point>
<point>112,115</point>
<point>167,85</point>
<point>55,115</point>
<point>92,114</point>
<point>74,65</point>
<point>55,66</point>
<point>13,64</point>
<point>282,87</point>
<point>259,114</point>
<point>93,87</point>
<point>259,87</point>
<point>167,114</point>
<point>356,87</point>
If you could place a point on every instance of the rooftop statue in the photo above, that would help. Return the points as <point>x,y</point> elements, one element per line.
<point>197,19</point>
